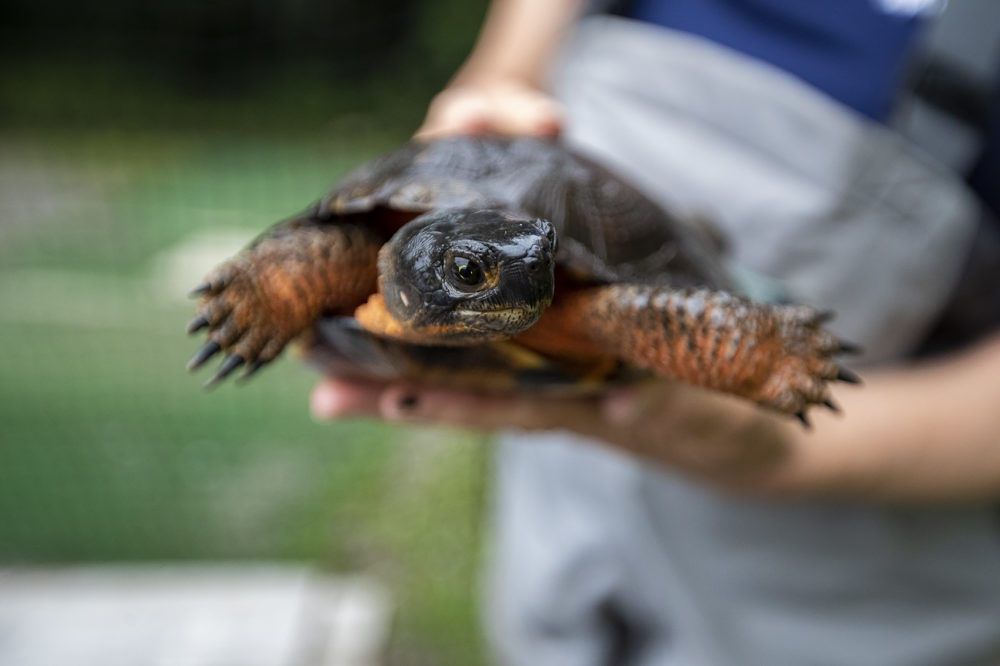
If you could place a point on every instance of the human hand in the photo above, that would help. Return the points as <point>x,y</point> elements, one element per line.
<point>500,87</point>
<point>492,107</point>
<point>713,437</point>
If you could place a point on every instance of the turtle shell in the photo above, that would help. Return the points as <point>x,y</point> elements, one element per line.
<point>608,230</point>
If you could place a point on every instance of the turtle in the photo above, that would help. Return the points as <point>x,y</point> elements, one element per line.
<point>505,264</point>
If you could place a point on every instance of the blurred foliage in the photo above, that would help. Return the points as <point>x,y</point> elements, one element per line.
<point>227,64</point>
<point>128,131</point>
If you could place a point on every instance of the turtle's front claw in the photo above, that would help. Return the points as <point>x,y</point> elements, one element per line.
<point>197,324</point>
<point>845,347</point>
<point>253,305</point>
<point>251,370</point>
<point>232,362</point>
<point>201,289</point>
<point>238,311</point>
<point>209,350</point>
<point>217,281</point>
<point>845,375</point>
<point>799,376</point>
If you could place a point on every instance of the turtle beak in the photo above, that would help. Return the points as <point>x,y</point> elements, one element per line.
<point>527,286</point>
<point>547,230</point>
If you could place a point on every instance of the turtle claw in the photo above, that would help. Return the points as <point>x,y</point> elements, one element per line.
<point>237,310</point>
<point>217,281</point>
<point>200,290</point>
<point>253,305</point>
<point>849,348</point>
<point>251,370</point>
<point>821,317</point>
<point>197,324</point>
<point>232,362</point>
<point>210,349</point>
<point>845,375</point>
<point>801,371</point>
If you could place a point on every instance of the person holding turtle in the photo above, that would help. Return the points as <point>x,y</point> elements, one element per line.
<point>874,538</point>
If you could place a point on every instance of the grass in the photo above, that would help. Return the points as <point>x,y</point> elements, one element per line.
<point>110,451</point>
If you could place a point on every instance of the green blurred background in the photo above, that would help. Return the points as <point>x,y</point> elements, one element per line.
<point>138,142</point>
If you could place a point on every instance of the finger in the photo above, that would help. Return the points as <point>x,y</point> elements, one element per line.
<point>480,411</point>
<point>625,405</point>
<point>527,114</point>
<point>456,112</point>
<point>456,408</point>
<point>511,110</point>
<point>337,398</point>
<point>621,406</point>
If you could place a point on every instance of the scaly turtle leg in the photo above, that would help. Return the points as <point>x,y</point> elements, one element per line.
<point>778,356</point>
<point>264,297</point>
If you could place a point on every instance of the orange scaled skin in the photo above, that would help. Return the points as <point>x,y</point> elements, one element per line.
<point>260,300</point>
<point>777,356</point>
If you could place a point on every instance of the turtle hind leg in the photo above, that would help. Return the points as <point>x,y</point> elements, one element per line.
<point>777,356</point>
<point>261,299</point>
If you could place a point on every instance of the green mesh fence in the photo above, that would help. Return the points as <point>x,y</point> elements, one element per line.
<point>117,190</point>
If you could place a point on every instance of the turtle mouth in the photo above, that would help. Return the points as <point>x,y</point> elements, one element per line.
<point>487,313</point>
<point>507,320</point>
<point>468,327</point>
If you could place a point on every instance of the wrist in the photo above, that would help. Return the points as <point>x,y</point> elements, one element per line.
<point>495,80</point>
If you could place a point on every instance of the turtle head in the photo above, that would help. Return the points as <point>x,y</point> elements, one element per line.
<point>467,276</point>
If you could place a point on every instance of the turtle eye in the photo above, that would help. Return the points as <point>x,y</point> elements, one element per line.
<point>466,271</point>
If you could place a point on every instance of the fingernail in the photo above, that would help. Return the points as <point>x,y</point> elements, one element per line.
<point>620,406</point>
<point>324,403</point>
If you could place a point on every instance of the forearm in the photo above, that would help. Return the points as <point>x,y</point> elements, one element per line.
<point>518,41</point>
<point>928,433</point>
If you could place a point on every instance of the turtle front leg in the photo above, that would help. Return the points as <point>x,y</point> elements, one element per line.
<point>777,356</point>
<point>258,301</point>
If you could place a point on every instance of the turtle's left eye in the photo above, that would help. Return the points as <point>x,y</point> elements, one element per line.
<point>466,271</point>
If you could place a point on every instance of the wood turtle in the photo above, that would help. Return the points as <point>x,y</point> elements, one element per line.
<point>507,264</point>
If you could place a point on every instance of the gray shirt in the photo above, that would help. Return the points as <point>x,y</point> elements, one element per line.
<point>600,558</point>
